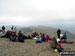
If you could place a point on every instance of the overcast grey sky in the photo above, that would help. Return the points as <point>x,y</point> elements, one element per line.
<point>37,12</point>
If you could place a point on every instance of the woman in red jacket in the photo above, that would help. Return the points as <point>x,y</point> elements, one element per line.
<point>48,37</point>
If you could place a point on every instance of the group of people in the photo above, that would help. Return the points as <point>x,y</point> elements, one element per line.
<point>55,42</point>
<point>12,28</point>
<point>41,36</point>
<point>11,34</point>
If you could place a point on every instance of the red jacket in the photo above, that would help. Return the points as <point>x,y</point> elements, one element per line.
<point>47,36</point>
<point>58,45</point>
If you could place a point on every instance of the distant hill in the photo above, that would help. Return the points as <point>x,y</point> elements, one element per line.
<point>47,30</point>
<point>68,27</point>
<point>44,29</point>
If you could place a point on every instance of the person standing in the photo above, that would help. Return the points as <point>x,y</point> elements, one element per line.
<point>58,33</point>
<point>15,29</point>
<point>12,27</point>
<point>3,27</point>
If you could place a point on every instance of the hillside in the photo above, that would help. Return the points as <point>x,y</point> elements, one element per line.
<point>68,27</point>
<point>43,29</point>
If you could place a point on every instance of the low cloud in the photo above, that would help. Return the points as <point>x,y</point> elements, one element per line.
<point>37,12</point>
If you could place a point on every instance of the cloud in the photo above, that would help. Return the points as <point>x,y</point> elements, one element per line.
<point>37,12</point>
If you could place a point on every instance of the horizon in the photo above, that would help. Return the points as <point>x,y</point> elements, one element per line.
<point>68,28</point>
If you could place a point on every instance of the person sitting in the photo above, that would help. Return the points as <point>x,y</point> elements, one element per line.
<point>48,37</point>
<point>64,37</point>
<point>40,35</point>
<point>20,37</point>
<point>37,35</point>
<point>12,36</point>
<point>33,35</point>
<point>43,38</point>
<point>53,42</point>
<point>3,34</point>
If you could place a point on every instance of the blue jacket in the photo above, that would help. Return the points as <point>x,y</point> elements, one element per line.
<point>43,37</point>
<point>65,36</point>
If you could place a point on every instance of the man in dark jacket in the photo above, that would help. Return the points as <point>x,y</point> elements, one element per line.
<point>58,33</point>
<point>20,37</point>
<point>3,27</point>
<point>12,27</point>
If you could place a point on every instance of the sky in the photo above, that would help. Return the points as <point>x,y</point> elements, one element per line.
<point>37,12</point>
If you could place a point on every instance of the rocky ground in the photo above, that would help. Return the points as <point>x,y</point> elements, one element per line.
<point>30,48</point>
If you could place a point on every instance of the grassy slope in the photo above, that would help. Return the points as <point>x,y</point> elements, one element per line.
<point>29,48</point>
<point>43,29</point>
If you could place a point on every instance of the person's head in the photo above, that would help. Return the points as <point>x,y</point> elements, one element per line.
<point>54,37</point>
